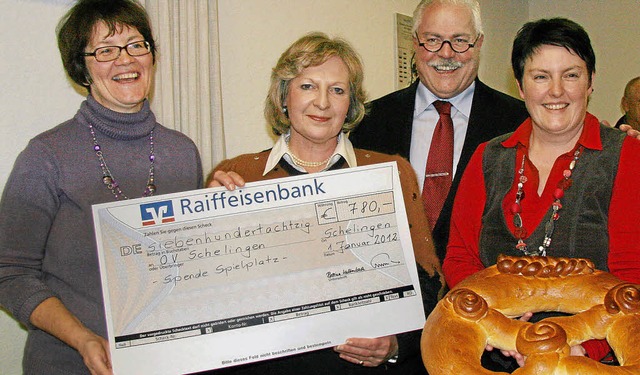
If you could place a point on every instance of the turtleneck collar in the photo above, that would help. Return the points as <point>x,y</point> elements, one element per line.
<point>117,125</point>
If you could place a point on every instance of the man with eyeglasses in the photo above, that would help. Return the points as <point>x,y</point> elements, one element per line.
<point>447,41</point>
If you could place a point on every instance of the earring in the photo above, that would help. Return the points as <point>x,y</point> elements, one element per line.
<point>87,81</point>
<point>284,109</point>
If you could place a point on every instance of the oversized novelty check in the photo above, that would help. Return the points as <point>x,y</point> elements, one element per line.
<point>211,278</point>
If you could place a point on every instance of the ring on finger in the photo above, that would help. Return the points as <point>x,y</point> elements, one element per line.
<point>361,362</point>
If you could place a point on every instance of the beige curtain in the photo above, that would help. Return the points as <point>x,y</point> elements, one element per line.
<point>187,86</point>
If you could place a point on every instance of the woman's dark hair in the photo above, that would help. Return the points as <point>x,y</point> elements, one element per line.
<point>559,32</point>
<point>76,28</point>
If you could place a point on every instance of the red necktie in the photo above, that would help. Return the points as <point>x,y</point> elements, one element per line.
<point>439,170</point>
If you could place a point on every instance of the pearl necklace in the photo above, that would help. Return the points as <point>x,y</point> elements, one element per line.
<point>558,193</point>
<point>303,163</point>
<point>107,177</point>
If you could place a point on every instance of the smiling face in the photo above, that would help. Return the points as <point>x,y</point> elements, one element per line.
<point>122,84</point>
<point>446,73</point>
<point>556,87</point>
<point>317,103</point>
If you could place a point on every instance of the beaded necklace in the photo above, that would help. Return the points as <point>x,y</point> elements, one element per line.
<point>107,177</point>
<point>558,193</point>
<point>303,163</point>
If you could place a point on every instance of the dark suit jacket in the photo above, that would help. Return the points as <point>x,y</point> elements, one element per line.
<point>387,128</point>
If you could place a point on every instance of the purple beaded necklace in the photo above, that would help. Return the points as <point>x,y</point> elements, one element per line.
<point>107,177</point>
<point>558,193</point>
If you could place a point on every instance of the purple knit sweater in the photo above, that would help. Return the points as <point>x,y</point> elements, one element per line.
<point>47,241</point>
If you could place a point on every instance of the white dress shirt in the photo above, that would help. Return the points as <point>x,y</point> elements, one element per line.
<point>280,150</point>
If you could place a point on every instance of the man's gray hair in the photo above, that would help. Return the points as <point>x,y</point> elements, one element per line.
<point>473,5</point>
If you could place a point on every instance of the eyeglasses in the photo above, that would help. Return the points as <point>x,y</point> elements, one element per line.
<point>458,45</point>
<point>110,53</point>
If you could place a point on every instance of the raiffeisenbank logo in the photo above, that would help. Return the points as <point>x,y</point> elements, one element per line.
<point>157,213</point>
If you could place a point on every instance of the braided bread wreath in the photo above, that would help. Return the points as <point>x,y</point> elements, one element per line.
<point>480,311</point>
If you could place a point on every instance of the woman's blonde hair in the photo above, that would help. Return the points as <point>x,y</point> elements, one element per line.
<point>313,49</point>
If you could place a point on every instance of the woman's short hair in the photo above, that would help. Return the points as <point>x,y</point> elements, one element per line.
<point>559,32</point>
<point>314,49</point>
<point>76,28</point>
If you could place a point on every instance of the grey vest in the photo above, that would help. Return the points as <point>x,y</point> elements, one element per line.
<point>581,231</point>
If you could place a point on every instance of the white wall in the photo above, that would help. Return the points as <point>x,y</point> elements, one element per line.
<point>36,95</point>
<point>501,20</point>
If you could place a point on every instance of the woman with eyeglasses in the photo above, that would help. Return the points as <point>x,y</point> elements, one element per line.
<point>112,149</point>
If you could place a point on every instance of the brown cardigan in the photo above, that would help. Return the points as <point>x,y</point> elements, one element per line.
<point>251,167</point>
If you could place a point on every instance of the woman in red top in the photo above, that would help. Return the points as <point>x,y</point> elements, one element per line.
<point>561,184</point>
